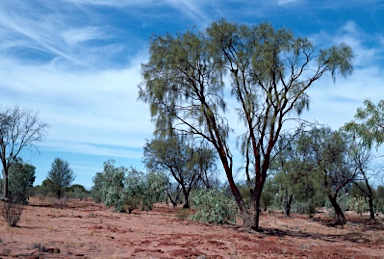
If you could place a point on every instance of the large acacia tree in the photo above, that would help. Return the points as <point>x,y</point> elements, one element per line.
<point>268,72</point>
<point>20,129</point>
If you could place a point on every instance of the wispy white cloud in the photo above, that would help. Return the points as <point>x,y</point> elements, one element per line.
<point>336,103</point>
<point>75,36</point>
<point>367,49</point>
<point>81,107</point>
<point>193,9</point>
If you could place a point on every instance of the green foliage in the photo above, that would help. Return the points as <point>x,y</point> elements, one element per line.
<point>305,207</point>
<point>380,191</point>
<point>61,176</point>
<point>156,183</point>
<point>214,207</point>
<point>368,124</point>
<point>380,205</point>
<point>268,195</point>
<point>127,189</point>
<point>76,191</point>
<point>379,202</point>
<point>20,180</point>
<point>45,189</point>
<point>329,154</point>
<point>184,162</point>
<point>358,204</point>
<point>361,190</point>
<point>112,191</point>
<point>136,191</point>
<point>97,188</point>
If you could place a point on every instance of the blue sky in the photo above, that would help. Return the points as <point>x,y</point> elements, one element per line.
<point>77,63</point>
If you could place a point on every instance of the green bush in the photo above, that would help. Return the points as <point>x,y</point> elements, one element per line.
<point>304,207</point>
<point>20,180</point>
<point>214,207</point>
<point>358,205</point>
<point>127,189</point>
<point>379,204</point>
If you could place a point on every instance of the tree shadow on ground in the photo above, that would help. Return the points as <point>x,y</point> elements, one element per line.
<point>359,225</point>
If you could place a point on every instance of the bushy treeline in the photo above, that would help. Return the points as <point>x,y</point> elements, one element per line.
<point>47,189</point>
<point>126,189</point>
<point>312,198</point>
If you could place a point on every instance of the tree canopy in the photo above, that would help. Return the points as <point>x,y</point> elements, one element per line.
<point>369,123</point>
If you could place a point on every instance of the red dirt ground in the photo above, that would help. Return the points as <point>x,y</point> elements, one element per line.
<point>83,229</point>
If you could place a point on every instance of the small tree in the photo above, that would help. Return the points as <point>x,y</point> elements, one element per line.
<point>97,188</point>
<point>362,158</point>
<point>187,164</point>
<point>19,129</point>
<point>331,155</point>
<point>61,176</point>
<point>21,179</point>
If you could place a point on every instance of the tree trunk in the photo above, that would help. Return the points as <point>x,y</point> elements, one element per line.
<point>186,198</point>
<point>173,201</point>
<point>371,211</point>
<point>254,211</point>
<point>340,218</point>
<point>288,202</point>
<point>5,185</point>
<point>257,211</point>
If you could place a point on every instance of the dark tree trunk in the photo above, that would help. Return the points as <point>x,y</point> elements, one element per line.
<point>5,186</point>
<point>371,211</point>
<point>255,208</point>
<point>186,198</point>
<point>288,202</point>
<point>173,201</point>
<point>340,218</point>
<point>255,223</point>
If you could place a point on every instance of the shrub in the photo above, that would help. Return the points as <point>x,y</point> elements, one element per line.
<point>304,207</point>
<point>127,189</point>
<point>358,204</point>
<point>20,180</point>
<point>214,207</point>
<point>76,191</point>
<point>183,214</point>
<point>11,212</point>
<point>379,204</point>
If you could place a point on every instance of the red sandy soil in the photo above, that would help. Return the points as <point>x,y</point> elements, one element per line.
<point>83,229</point>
